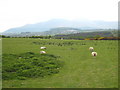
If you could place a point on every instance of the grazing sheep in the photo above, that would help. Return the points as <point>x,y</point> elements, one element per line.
<point>61,38</point>
<point>42,52</point>
<point>42,47</point>
<point>94,53</point>
<point>91,49</point>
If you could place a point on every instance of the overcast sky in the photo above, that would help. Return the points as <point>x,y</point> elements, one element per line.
<point>15,13</point>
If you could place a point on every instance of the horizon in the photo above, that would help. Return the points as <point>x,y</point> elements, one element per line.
<point>36,11</point>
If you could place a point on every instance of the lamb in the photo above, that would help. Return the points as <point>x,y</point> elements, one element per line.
<point>42,52</point>
<point>42,47</point>
<point>94,53</point>
<point>91,49</point>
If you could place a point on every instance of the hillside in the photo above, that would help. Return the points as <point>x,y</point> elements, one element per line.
<point>86,35</point>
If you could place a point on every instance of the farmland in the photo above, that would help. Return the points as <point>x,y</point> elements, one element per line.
<point>79,70</point>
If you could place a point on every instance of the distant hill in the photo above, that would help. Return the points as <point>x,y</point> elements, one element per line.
<point>86,35</point>
<point>62,30</point>
<point>68,33</point>
<point>55,31</point>
<point>57,23</point>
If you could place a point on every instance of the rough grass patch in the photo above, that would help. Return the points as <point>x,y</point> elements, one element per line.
<point>29,65</point>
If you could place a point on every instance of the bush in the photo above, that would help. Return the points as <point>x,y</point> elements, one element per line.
<point>30,65</point>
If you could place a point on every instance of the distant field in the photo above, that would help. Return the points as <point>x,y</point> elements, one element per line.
<point>80,69</point>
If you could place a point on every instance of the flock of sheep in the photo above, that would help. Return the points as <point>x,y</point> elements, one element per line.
<point>42,48</point>
<point>93,53</point>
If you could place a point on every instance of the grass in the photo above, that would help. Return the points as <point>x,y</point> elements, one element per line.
<point>41,65</point>
<point>80,70</point>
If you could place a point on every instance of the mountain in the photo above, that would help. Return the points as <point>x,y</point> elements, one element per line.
<point>56,23</point>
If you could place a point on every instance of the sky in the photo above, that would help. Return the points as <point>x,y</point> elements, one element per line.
<point>16,13</point>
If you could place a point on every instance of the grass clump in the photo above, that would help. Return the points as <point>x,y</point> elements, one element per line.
<point>29,65</point>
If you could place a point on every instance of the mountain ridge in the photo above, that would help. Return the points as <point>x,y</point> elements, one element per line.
<point>56,23</point>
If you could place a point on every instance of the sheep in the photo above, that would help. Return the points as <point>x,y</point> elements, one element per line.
<point>61,38</point>
<point>42,52</point>
<point>42,47</point>
<point>91,49</point>
<point>94,53</point>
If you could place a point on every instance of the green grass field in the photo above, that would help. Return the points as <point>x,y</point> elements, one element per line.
<point>80,69</point>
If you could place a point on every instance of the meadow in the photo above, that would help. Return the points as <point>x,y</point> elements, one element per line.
<point>80,69</point>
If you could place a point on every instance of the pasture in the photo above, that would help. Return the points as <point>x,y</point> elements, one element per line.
<point>80,68</point>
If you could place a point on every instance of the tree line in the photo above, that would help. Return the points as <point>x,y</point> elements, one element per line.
<point>96,37</point>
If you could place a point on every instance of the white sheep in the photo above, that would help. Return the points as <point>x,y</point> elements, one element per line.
<point>94,53</point>
<point>42,47</point>
<point>61,38</point>
<point>42,52</point>
<point>91,49</point>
